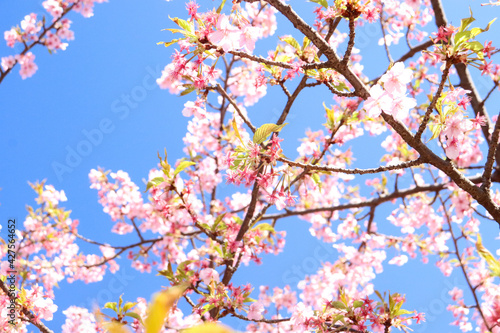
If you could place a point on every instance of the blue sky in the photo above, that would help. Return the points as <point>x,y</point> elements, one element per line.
<point>114,58</point>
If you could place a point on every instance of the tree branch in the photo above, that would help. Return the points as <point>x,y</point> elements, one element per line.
<point>326,168</point>
<point>31,318</point>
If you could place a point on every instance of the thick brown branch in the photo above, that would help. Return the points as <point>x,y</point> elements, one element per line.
<point>291,99</point>
<point>466,81</point>
<point>366,203</point>
<point>465,184</point>
<point>350,43</point>
<point>491,157</point>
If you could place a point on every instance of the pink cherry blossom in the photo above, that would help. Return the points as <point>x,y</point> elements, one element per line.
<point>53,7</point>
<point>28,66</point>
<point>379,100</point>
<point>208,274</point>
<point>7,62</point>
<point>12,37</point>
<point>399,260</point>
<point>255,311</point>
<point>226,35</point>
<point>396,79</point>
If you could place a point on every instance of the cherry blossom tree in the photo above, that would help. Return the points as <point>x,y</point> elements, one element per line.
<point>224,204</point>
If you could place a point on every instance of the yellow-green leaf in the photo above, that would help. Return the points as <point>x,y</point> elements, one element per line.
<point>235,128</point>
<point>466,22</point>
<point>493,263</point>
<point>323,3</point>
<point>265,227</point>
<point>338,305</point>
<point>128,306</point>
<point>167,44</point>
<point>183,165</point>
<point>357,304</point>
<point>160,307</point>
<point>436,130</point>
<point>264,131</point>
<point>187,26</point>
<point>134,315</point>
<point>291,41</point>
<point>403,312</point>
<point>317,180</point>
<point>112,306</point>
<point>188,90</point>
<point>154,182</point>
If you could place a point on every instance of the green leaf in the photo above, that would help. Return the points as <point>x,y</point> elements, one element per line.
<point>283,58</point>
<point>489,25</point>
<point>128,306</point>
<point>339,317</point>
<point>176,30</point>
<point>167,44</point>
<point>403,312</point>
<point>323,3</point>
<point>341,86</point>
<point>357,304</point>
<point>154,182</point>
<point>391,302</point>
<point>475,47</point>
<point>461,37</point>
<point>187,26</point>
<point>249,300</point>
<point>305,43</point>
<point>134,315</point>
<point>183,165</point>
<point>466,22</point>
<point>317,180</point>
<point>338,305</point>
<point>493,264</point>
<point>264,131</point>
<point>436,130</point>
<point>112,306</point>
<point>291,41</point>
<point>188,90</point>
<point>217,221</point>
<point>265,227</point>
<point>235,129</point>
<point>180,267</point>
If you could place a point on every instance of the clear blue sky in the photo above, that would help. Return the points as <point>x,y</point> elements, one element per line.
<point>114,55</point>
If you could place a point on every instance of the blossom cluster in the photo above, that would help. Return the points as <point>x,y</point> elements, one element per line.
<point>391,98</point>
<point>33,30</point>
